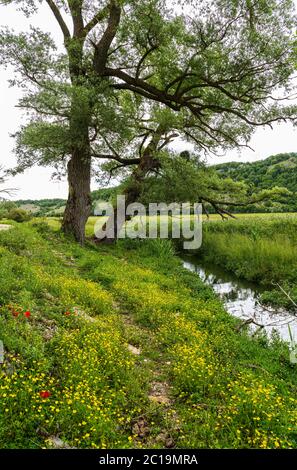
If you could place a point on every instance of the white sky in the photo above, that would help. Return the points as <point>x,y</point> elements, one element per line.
<point>36,183</point>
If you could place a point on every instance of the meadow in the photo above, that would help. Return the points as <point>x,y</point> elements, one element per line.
<point>257,247</point>
<point>120,347</point>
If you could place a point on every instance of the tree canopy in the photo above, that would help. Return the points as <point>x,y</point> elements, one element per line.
<point>207,71</point>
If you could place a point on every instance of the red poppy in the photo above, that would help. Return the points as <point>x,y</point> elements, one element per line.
<point>15,314</point>
<point>45,394</point>
<point>67,313</point>
<point>27,314</point>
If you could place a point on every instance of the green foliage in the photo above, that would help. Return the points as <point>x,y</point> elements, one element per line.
<point>52,140</point>
<point>188,179</point>
<point>277,170</point>
<point>184,75</point>
<point>133,71</point>
<point>159,248</point>
<point>103,194</point>
<point>67,366</point>
<point>53,207</point>
<point>18,215</point>
<point>256,248</point>
<point>5,207</point>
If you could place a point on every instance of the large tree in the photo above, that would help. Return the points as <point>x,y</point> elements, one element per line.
<point>163,174</point>
<point>224,64</point>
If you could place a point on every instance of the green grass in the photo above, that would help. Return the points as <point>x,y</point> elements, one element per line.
<point>259,249</point>
<point>87,305</point>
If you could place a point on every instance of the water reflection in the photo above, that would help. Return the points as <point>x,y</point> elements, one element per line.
<point>241,299</point>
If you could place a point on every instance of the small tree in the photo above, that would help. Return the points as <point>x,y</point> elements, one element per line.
<point>18,215</point>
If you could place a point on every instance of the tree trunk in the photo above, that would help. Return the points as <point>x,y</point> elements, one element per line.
<point>111,225</point>
<point>78,207</point>
<point>133,191</point>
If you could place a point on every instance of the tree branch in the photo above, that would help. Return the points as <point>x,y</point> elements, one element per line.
<point>77,18</point>
<point>219,210</point>
<point>102,47</point>
<point>142,60</point>
<point>122,161</point>
<point>101,15</point>
<point>59,18</point>
<point>138,85</point>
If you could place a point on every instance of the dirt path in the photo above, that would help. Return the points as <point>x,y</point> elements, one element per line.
<point>5,226</point>
<point>142,343</point>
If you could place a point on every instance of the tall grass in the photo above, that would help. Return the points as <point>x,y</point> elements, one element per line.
<point>68,370</point>
<point>261,260</point>
<point>263,250</point>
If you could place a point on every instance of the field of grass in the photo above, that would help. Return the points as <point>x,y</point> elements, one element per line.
<point>121,347</point>
<point>257,247</point>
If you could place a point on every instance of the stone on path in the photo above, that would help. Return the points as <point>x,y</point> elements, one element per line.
<point>5,226</point>
<point>134,350</point>
<point>57,443</point>
<point>159,393</point>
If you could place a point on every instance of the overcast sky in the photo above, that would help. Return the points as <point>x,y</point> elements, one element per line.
<point>36,183</point>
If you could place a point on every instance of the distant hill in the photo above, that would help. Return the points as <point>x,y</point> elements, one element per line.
<point>277,170</point>
<point>56,207</point>
<point>42,207</point>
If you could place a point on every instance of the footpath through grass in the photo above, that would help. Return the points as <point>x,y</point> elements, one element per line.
<point>120,347</point>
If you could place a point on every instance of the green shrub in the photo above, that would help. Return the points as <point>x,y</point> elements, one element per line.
<point>18,215</point>
<point>5,207</point>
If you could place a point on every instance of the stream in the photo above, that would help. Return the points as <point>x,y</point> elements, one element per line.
<point>241,299</point>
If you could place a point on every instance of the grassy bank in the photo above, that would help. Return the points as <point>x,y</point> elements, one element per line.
<point>259,249</point>
<point>121,347</point>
